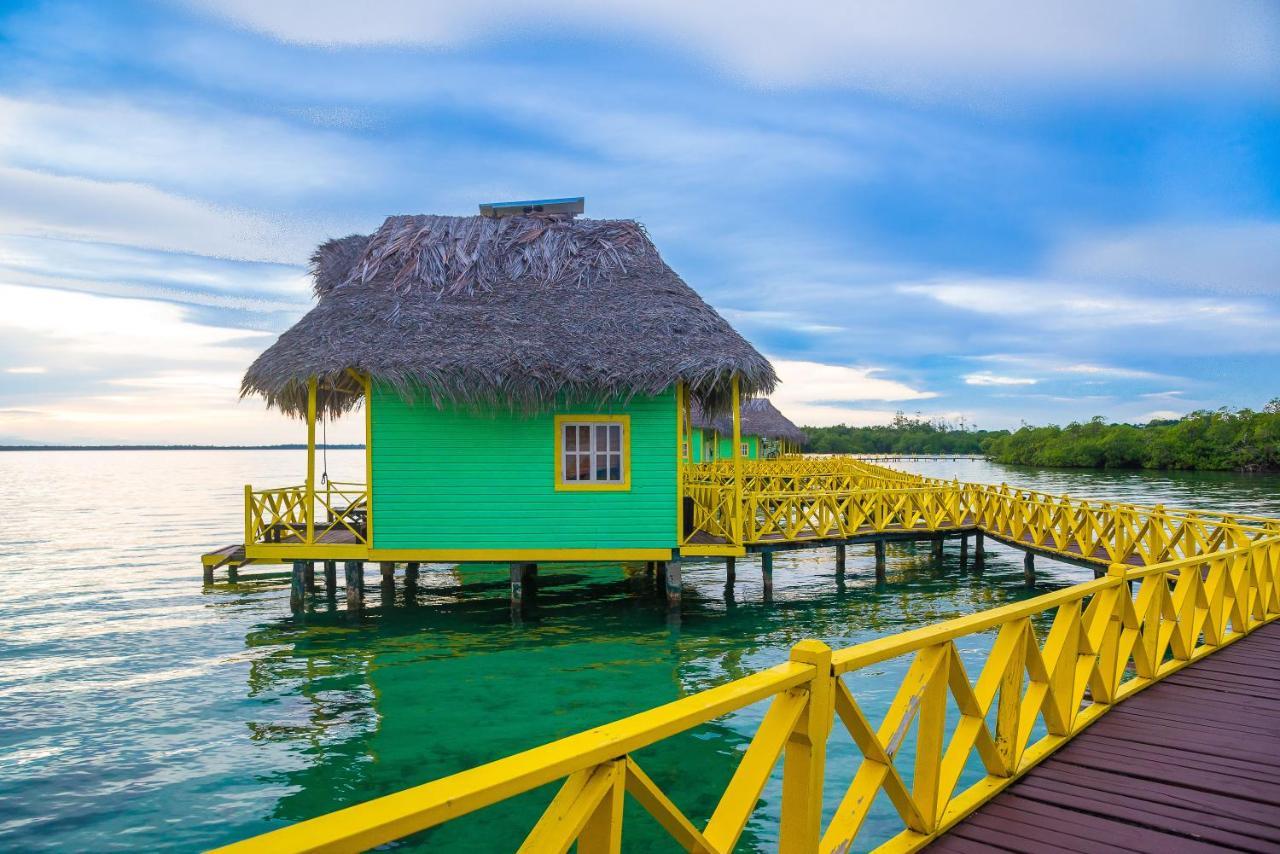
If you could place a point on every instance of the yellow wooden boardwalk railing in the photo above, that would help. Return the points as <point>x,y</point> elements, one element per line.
<point>797,500</point>
<point>1209,579</point>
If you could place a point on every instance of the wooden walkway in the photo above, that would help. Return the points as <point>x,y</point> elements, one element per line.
<point>1190,764</point>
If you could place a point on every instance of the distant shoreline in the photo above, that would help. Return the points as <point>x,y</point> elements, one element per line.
<point>293,447</point>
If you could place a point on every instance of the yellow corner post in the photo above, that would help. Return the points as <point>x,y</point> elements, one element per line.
<point>368,459</point>
<point>805,760</point>
<point>737,461</point>
<point>311,459</point>
<point>682,422</point>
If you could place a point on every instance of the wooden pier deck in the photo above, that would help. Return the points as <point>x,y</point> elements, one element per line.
<point>1190,764</point>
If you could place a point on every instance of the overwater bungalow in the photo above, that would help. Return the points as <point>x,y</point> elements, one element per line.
<point>526,378</point>
<point>766,433</point>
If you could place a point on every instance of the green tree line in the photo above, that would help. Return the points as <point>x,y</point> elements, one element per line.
<point>904,435</point>
<point>1223,440</point>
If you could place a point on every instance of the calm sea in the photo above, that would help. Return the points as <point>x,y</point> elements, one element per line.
<point>138,710</point>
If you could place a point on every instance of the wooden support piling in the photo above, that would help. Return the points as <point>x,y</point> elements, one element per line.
<point>517,585</point>
<point>297,586</point>
<point>880,561</point>
<point>673,582</point>
<point>979,553</point>
<point>309,577</point>
<point>1029,568</point>
<point>330,579</point>
<point>964,552</point>
<point>840,559</point>
<point>523,578</point>
<point>730,571</point>
<point>354,571</point>
<point>388,571</point>
<point>411,572</point>
<point>208,574</point>
<point>766,570</point>
<point>937,550</point>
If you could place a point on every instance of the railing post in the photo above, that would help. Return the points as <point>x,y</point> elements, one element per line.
<point>805,759</point>
<point>310,499</point>
<point>248,515</point>
<point>739,511</point>
<point>602,833</point>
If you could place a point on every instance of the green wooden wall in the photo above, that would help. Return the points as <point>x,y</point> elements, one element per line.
<point>695,446</point>
<point>725,448</point>
<point>449,479</point>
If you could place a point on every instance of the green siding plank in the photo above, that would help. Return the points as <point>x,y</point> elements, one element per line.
<point>449,479</point>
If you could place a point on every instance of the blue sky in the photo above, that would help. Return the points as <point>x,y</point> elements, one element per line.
<point>972,210</point>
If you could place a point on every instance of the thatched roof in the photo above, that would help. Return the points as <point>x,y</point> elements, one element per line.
<point>759,418</point>
<point>511,313</point>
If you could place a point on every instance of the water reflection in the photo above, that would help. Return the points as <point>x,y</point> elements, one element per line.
<point>456,684</point>
<point>138,710</point>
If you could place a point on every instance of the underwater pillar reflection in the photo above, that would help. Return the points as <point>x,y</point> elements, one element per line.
<point>673,583</point>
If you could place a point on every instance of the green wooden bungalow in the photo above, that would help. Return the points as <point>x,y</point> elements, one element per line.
<point>766,433</point>
<point>525,377</point>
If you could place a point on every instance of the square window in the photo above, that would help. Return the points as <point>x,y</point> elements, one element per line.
<point>593,452</point>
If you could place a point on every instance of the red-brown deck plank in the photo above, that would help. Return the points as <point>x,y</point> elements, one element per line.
<point>1190,764</point>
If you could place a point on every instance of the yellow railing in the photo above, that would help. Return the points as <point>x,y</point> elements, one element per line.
<point>1106,639</point>
<point>802,515</point>
<point>793,500</point>
<point>284,516</point>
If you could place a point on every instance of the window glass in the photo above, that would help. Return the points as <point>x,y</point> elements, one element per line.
<point>593,453</point>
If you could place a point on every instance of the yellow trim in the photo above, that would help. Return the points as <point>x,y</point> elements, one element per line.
<point>563,485</point>
<point>310,497</point>
<point>302,551</point>
<point>712,550</point>
<point>285,552</point>
<point>737,460</point>
<point>368,459</point>
<point>682,454</point>
<point>516,555</point>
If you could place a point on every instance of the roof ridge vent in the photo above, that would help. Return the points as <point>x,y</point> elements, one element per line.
<point>558,207</point>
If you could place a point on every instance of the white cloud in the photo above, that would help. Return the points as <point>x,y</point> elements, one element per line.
<point>1160,415</point>
<point>928,46</point>
<point>189,148</point>
<point>774,319</point>
<point>28,369</point>
<point>1110,371</point>
<point>988,378</point>
<point>1042,363</point>
<point>817,394</point>
<point>37,204</point>
<point>1036,305</point>
<point>1236,257</point>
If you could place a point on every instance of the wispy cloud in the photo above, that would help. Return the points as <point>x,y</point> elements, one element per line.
<point>988,378</point>
<point>1225,257</point>
<point>925,47</point>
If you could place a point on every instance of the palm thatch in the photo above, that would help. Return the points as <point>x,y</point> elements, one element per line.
<point>759,418</point>
<point>513,313</point>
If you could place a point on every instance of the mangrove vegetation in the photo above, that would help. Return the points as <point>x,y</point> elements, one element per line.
<point>1210,440</point>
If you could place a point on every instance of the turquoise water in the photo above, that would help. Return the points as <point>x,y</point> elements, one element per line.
<point>139,711</point>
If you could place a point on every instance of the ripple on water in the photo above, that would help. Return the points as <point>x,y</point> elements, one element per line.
<point>139,711</point>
